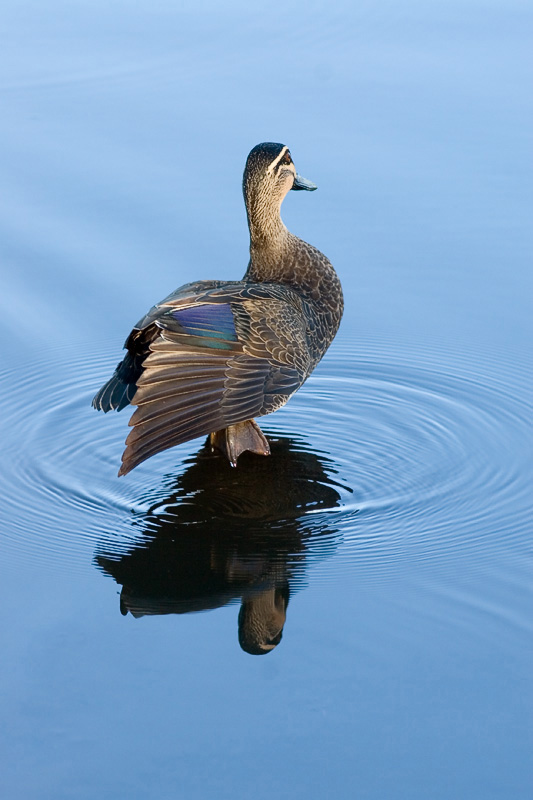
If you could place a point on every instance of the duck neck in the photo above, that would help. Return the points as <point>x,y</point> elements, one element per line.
<point>264,221</point>
<point>270,244</point>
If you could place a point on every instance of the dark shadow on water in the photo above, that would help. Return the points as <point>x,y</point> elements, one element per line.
<point>217,535</point>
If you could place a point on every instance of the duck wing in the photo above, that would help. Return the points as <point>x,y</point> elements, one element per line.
<point>215,358</point>
<point>119,390</point>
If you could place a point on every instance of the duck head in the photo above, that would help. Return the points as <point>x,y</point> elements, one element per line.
<point>268,175</point>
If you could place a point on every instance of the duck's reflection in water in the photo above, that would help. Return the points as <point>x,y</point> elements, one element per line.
<point>221,534</point>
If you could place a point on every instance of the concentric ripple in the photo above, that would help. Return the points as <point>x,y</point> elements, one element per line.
<point>438,461</point>
<point>430,454</point>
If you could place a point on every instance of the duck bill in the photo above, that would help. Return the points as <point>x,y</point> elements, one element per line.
<point>302,183</point>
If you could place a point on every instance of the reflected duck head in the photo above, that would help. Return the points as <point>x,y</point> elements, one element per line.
<point>261,620</point>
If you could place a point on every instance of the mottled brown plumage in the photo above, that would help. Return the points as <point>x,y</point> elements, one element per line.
<point>216,354</point>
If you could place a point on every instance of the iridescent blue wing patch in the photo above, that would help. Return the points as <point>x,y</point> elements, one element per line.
<point>214,320</point>
<point>208,325</point>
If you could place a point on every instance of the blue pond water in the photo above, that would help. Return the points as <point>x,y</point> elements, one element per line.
<point>390,531</point>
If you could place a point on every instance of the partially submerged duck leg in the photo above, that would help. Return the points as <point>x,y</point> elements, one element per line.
<point>235,439</point>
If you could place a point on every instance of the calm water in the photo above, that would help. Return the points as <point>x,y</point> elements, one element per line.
<point>389,535</point>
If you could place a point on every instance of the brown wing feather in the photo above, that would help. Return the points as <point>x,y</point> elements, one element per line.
<point>189,387</point>
<point>171,409</point>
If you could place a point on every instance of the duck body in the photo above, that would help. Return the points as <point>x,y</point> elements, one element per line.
<point>214,355</point>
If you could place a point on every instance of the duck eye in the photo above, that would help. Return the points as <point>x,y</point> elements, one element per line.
<point>286,158</point>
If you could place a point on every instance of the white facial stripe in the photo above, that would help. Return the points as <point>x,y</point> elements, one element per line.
<point>276,161</point>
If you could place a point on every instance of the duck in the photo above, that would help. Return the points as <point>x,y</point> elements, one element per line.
<point>214,354</point>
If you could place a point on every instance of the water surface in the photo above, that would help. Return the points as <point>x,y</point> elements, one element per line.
<point>380,559</point>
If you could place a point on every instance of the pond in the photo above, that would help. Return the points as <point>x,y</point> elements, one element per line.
<point>379,561</point>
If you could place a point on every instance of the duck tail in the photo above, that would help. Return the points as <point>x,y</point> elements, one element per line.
<point>119,390</point>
